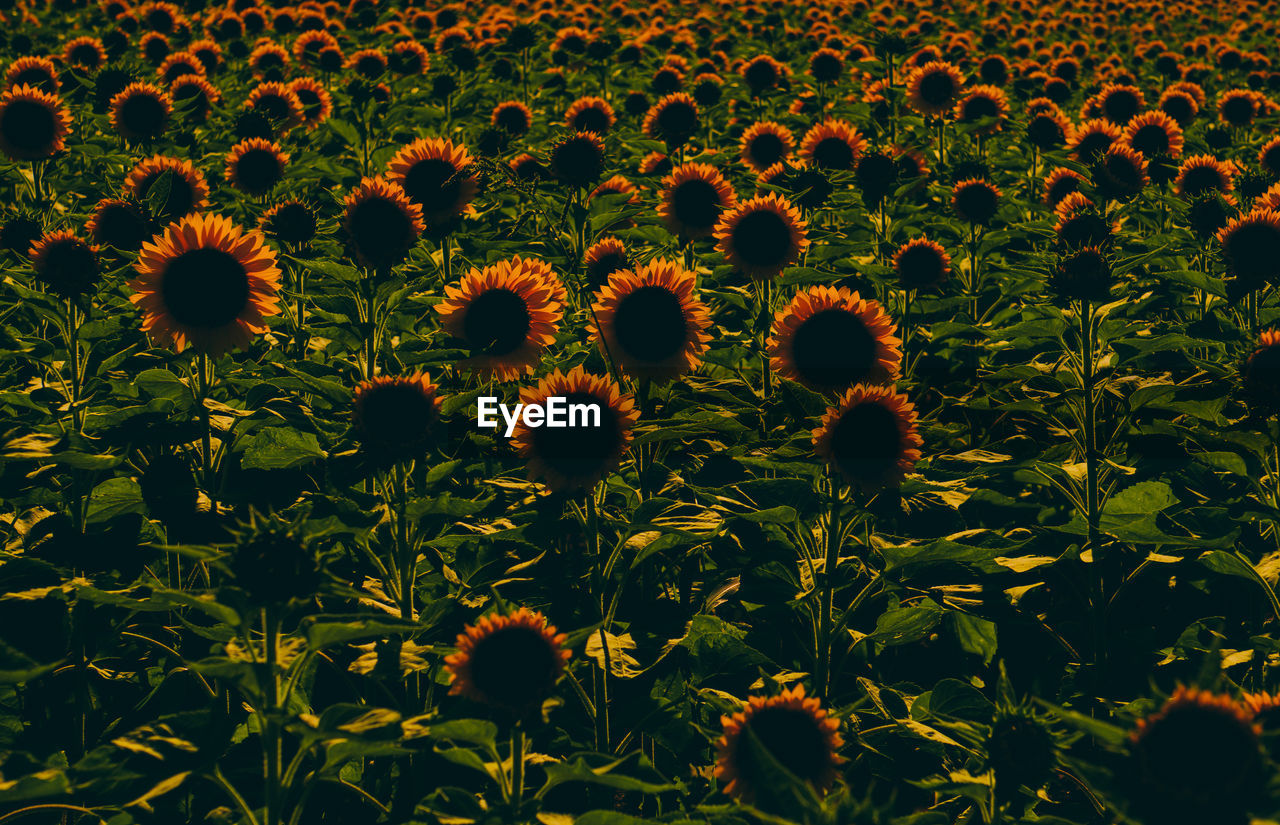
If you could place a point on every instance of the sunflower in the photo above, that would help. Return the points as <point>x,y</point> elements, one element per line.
<point>65,264</point>
<point>1049,129</point>
<point>1020,751</point>
<point>309,44</point>
<point>932,89</point>
<point>578,159</point>
<point>603,258</point>
<point>508,662</point>
<point>1084,273</point>
<point>194,95</point>
<point>33,124</point>
<point>832,145</point>
<point>85,53</point>
<point>290,222</point>
<point>206,283</point>
<point>394,416</point>
<point>1092,138</point>
<point>180,64</point>
<point>590,114</point>
<point>673,120</point>
<point>526,167</point>
<point>650,322</point>
<point>1240,107</point>
<point>37,72</point>
<point>765,143</point>
<point>975,200</point>
<point>876,173</point>
<point>188,191</point>
<point>693,197</point>
<point>1269,157</point>
<point>512,117</point>
<point>154,47</point>
<point>762,236</point>
<point>1080,222</point>
<point>1260,376</point>
<point>208,52</point>
<point>1196,759</point>
<point>830,339</point>
<point>1061,182</point>
<point>368,63</point>
<point>1121,173</point>
<point>576,457</point>
<point>869,437</point>
<point>1251,247</point>
<point>1118,102</point>
<point>507,315</point>
<point>411,57</point>
<point>439,177</point>
<point>269,59</point>
<point>791,728</point>
<point>1201,174</point>
<point>1180,105</point>
<point>141,112</point>
<point>255,165</point>
<point>119,223</point>
<point>982,103</point>
<point>278,103</point>
<point>826,65</point>
<point>1154,133</point>
<point>920,263</point>
<point>762,73</point>
<point>317,103</point>
<point>381,223</point>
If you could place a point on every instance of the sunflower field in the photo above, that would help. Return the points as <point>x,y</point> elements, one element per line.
<point>921,362</point>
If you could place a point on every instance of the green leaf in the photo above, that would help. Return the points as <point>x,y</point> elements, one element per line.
<point>976,635</point>
<point>115,497</point>
<point>904,625</point>
<point>279,448</point>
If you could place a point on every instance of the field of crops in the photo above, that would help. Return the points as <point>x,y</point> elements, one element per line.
<point>921,463</point>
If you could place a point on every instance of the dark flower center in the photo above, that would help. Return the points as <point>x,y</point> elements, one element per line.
<point>677,122</point>
<point>937,88</point>
<point>920,266</point>
<point>34,76</point>
<point>1120,107</point>
<point>293,223</point>
<point>1178,108</point>
<point>1084,228</point>
<point>598,271</point>
<point>591,119</point>
<point>976,203</point>
<point>980,106</point>
<point>381,231</point>
<point>1197,754</point>
<point>122,227</point>
<point>258,170</point>
<point>1151,139</point>
<point>205,288</point>
<point>514,667</point>
<point>28,126</point>
<point>497,322</point>
<point>833,348</point>
<point>825,67</point>
<point>1238,110</point>
<point>395,415</point>
<point>762,238</point>
<point>866,442</point>
<point>766,149</point>
<point>761,74</point>
<point>833,153</point>
<point>1253,250</point>
<point>68,267</point>
<point>275,107</point>
<point>1044,131</point>
<point>434,184</point>
<point>143,115</point>
<point>696,204</point>
<point>1201,179</point>
<point>792,737</point>
<point>1094,144</point>
<point>269,60</point>
<point>513,120</point>
<point>369,66</point>
<point>650,324</point>
<point>578,161</point>
<point>579,451</point>
<point>876,175</point>
<point>85,55</point>
<point>310,101</point>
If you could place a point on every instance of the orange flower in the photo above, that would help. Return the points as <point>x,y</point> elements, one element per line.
<point>650,322</point>
<point>869,437</point>
<point>762,236</point>
<point>509,662</point>
<point>830,339</point>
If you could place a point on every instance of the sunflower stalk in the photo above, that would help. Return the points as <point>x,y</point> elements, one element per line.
<point>823,653</point>
<point>600,701</point>
<point>1089,426</point>
<point>204,387</point>
<point>272,741</point>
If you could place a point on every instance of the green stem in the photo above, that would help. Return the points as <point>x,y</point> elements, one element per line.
<point>272,741</point>
<point>1092,505</point>
<point>517,766</point>
<point>404,546</point>
<point>828,589</point>
<point>73,362</point>
<point>204,382</point>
